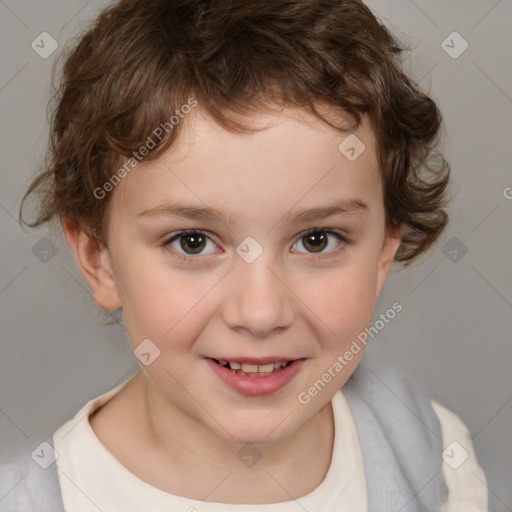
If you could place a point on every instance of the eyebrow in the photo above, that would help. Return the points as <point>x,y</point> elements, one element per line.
<point>342,206</point>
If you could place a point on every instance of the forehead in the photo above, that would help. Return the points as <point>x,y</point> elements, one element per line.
<point>292,157</point>
<point>281,130</point>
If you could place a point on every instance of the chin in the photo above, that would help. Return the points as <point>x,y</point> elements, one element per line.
<point>261,438</point>
<point>257,431</point>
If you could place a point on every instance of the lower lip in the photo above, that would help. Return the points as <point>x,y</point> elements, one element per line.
<point>256,386</point>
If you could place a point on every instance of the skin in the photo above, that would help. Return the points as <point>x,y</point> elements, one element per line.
<point>289,302</point>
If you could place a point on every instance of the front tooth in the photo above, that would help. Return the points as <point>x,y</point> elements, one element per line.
<point>234,366</point>
<point>266,368</point>
<point>249,368</point>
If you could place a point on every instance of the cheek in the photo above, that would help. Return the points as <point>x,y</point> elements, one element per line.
<point>163,306</point>
<point>344,300</point>
<point>342,309</point>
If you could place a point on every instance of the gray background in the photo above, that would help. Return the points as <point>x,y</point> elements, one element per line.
<point>454,331</point>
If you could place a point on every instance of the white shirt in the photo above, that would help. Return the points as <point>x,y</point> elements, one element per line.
<point>92,479</point>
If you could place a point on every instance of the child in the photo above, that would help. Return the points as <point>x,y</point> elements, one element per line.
<point>238,178</point>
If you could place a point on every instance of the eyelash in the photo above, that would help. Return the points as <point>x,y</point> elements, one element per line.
<point>343,239</point>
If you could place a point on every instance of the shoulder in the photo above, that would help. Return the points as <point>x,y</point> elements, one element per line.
<point>465,479</point>
<point>13,492</point>
<point>26,487</point>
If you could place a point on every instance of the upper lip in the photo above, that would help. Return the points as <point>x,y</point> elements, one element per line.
<point>256,360</point>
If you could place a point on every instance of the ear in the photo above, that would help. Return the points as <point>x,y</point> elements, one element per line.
<point>392,241</point>
<point>94,263</point>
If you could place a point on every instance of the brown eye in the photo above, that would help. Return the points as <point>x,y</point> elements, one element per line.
<point>319,241</point>
<point>315,242</point>
<point>193,243</point>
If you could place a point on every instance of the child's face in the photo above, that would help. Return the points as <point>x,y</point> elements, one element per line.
<point>303,299</point>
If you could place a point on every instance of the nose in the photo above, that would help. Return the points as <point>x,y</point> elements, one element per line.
<point>259,301</point>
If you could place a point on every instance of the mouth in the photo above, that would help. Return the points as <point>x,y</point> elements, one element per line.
<point>252,369</point>
<point>256,377</point>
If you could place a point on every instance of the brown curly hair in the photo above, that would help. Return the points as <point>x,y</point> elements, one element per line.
<point>143,60</point>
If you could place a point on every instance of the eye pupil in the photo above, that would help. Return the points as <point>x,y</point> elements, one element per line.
<point>316,241</point>
<point>192,243</point>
